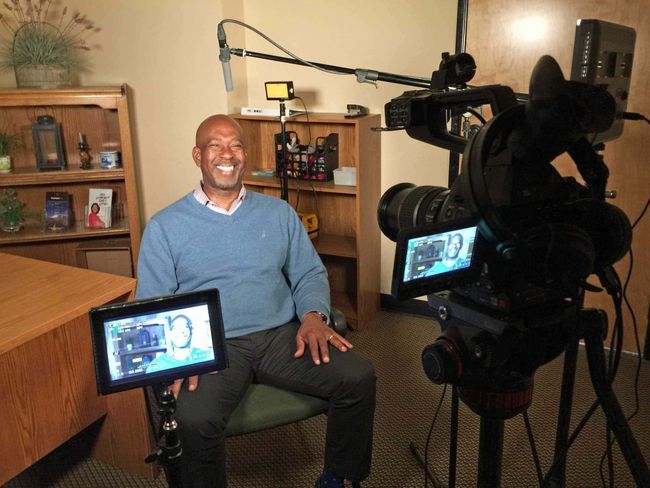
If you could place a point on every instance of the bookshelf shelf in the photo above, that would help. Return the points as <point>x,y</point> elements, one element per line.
<point>302,185</point>
<point>102,115</point>
<point>33,232</point>
<point>22,176</point>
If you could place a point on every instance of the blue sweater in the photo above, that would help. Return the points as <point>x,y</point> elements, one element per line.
<point>260,258</point>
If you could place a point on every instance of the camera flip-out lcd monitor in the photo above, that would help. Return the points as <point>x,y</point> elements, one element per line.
<point>435,257</point>
<point>157,340</point>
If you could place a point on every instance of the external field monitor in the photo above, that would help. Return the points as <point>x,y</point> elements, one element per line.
<point>435,257</point>
<point>157,340</point>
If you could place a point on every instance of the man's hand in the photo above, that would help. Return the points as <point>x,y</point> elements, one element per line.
<point>192,384</point>
<point>313,332</point>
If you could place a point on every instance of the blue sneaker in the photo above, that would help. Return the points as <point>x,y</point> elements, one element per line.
<point>329,480</point>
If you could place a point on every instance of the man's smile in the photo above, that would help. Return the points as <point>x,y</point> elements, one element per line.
<point>226,168</point>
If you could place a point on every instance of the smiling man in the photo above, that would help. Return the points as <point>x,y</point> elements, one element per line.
<point>275,304</point>
<point>219,152</point>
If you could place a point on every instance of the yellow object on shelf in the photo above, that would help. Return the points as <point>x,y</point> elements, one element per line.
<point>310,221</point>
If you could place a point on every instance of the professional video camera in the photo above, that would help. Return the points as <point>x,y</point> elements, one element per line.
<point>504,253</point>
<point>526,237</point>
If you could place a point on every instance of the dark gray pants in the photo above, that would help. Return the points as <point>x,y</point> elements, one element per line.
<point>347,381</point>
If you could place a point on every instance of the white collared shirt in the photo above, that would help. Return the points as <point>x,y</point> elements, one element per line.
<point>203,199</point>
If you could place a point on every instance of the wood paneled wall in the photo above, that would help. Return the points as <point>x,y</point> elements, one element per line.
<point>507,37</point>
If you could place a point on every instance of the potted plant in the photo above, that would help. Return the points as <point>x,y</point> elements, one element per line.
<point>44,44</point>
<point>12,211</point>
<point>7,141</point>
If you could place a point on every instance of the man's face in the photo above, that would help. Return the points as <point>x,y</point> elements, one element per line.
<point>454,247</point>
<point>181,333</point>
<point>221,156</point>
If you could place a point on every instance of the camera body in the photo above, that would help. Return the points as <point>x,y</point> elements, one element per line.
<point>539,234</point>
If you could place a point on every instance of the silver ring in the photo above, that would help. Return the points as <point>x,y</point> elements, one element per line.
<point>330,338</point>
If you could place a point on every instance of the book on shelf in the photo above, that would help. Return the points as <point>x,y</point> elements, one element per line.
<point>99,209</point>
<point>58,214</point>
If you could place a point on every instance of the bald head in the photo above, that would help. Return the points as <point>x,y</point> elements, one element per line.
<point>204,129</point>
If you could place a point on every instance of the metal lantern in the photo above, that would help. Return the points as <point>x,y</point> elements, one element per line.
<point>48,145</point>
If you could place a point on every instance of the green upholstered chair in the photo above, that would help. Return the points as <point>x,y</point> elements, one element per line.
<point>264,406</point>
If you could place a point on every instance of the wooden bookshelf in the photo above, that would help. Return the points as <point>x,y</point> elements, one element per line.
<point>348,238</point>
<point>102,115</point>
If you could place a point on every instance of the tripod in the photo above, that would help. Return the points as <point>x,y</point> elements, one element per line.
<point>169,450</point>
<point>592,330</point>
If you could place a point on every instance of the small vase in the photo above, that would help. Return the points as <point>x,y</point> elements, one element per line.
<point>11,226</point>
<point>42,76</point>
<point>5,164</point>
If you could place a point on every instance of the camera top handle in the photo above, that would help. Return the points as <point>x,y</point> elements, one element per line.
<point>425,113</point>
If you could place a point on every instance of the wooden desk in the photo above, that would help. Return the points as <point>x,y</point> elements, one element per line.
<point>47,378</point>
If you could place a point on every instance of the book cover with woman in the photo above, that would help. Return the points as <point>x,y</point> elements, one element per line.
<point>99,208</point>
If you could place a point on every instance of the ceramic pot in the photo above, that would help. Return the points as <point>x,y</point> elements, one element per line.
<point>5,164</point>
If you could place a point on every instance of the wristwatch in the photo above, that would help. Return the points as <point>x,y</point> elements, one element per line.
<point>323,317</point>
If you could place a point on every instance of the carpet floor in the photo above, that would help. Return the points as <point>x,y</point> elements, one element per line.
<point>407,401</point>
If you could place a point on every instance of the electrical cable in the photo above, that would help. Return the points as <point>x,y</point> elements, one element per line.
<point>286,51</point>
<point>426,445</point>
<point>618,331</point>
<point>308,144</point>
<point>307,154</point>
<point>636,338</point>
<point>298,187</point>
<point>637,375</point>
<point>633,116</point>
<point>307,117</point>
<point>645,209</point>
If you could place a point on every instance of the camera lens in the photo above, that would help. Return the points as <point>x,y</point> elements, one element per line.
<point>405,205</point>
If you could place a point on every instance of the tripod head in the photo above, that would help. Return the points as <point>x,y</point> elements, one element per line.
<point>493,356</point>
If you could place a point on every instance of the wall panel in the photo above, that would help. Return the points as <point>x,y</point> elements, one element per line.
<point>508,37</point>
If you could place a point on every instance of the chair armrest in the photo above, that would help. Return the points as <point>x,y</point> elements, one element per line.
<point>338,322</point>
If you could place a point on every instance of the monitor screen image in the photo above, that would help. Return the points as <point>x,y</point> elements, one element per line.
<point>433,254</point>
<point>157,340</point>
<point>435,257</point>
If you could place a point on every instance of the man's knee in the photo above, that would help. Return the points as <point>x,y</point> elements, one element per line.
<point>201,428</point>
<point>359,377</point>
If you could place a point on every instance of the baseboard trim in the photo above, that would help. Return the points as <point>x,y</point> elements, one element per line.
<point>412,306</point>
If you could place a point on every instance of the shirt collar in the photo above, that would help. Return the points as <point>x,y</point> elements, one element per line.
<point>203,199</point>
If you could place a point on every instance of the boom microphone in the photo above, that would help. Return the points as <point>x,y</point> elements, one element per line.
<point>224,57</point>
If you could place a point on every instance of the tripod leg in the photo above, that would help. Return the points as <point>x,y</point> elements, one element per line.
<point>415,450</point>
<point>611,407</point>
<point>490,452</point>
<point>558,476</point>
